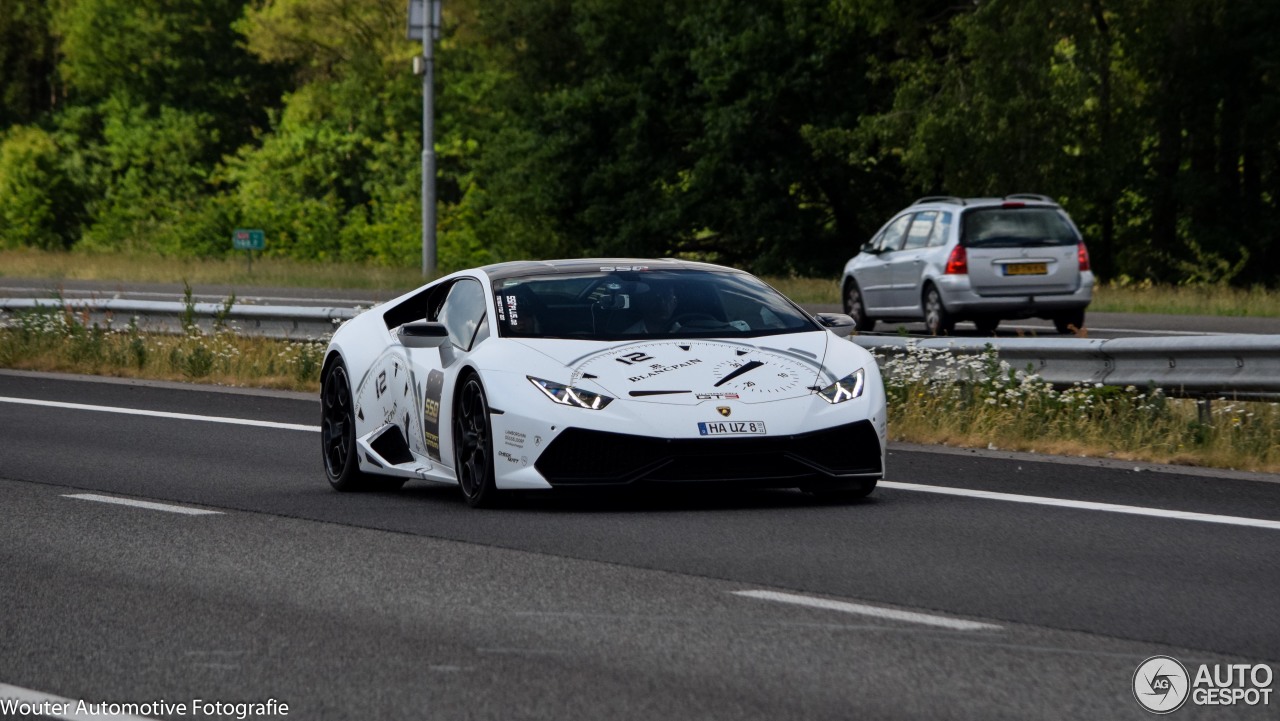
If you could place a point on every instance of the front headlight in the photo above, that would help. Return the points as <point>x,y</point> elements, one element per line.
<point>567,396</point>
<point>846,388</point>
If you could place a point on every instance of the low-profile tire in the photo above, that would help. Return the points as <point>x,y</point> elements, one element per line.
<point>1069,321</point>
<point>338,436</point>
<point>843,492</point>
<point>986,326</point>
<point>936,318</point>
<point>856,309</point>
<point>473,445</point>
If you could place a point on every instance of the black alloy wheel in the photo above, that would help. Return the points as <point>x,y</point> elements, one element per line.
<point>338,437</point>
<point>936,318</point>
<point>473,445</point>
<point>854,308</point>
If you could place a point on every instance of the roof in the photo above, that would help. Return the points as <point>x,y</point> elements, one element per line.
<point>515,268</point>
<point>1031,199</point>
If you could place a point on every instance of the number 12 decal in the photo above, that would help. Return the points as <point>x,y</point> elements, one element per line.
<point>633,358</point>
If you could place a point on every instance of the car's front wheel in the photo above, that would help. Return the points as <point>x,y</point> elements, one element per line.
<point>936,318</point>
<point>856,309</point>
<point>338,436</point>
<point>473,445</point>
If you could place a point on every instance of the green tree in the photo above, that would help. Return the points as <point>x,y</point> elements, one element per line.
<point>718,130</point>
<point>182,54</point>
<point>339,175</point>
<point>1211,167</point>
<point>26,61</point>
<point>147,172</point>
<point>35,187</point>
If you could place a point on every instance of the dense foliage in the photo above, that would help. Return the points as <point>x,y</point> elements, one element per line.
<point>775,135</point>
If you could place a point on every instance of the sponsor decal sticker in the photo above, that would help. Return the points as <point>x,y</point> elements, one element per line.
<point>431,413</point>
<point>658,369</point>
<point>633,358</point>
<point>515,439</point>
<point>512,310</point>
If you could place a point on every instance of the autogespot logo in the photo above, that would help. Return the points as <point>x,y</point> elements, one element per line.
<point>1160,684</point>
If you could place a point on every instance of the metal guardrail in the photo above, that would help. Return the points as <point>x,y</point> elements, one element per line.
<point>271,321</point>
<point>1238,366</point>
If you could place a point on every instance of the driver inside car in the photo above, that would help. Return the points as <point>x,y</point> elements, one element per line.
<point>657,311</point>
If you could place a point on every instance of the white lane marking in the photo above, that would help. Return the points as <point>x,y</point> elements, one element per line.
<point>161,414</point>
<point>56,707</point>
<point>151,505</point>
<point>874,611</point>
<point>1086,505</point>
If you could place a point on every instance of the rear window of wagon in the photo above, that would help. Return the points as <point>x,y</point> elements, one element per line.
<point>1003,227</point>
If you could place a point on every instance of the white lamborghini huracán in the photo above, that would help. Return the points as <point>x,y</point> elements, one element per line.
<point>539,375</point>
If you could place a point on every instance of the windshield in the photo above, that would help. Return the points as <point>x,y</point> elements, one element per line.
<point>628,305</point>
<point>1016,228</point>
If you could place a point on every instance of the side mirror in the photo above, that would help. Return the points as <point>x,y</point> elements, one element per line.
<point>838,323</point>
<point>869,249</point>
<point>423,334</point>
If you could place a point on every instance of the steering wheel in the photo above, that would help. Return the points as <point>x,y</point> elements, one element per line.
<point>696,320</point>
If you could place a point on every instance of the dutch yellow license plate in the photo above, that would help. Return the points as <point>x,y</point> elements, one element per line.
<point>1026,269</point>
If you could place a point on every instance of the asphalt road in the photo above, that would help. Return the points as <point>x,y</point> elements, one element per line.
<point>1101,325</point>
<point>409,605</point>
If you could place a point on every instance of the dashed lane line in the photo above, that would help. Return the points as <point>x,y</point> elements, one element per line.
<point>149,505</point>
<point>889,614</point>
<point>161,414</point>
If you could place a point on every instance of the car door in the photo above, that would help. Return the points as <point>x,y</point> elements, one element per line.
<point>464,312</point>
<point>906,266</point>
<point>875,277</point>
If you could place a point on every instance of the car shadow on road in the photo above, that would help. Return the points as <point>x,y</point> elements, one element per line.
<point>642,499</point>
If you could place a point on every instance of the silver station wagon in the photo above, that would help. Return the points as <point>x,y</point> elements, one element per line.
<point>945,260</point>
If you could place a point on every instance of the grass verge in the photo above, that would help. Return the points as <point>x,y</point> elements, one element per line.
<point>1186,300</point>
<point>267,272</point>
<point>980,401</point>
<point>63,341</point>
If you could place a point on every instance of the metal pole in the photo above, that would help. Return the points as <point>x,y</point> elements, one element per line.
<point>431,20</point>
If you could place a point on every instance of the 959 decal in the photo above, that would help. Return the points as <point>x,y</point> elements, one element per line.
<point>731,428</point>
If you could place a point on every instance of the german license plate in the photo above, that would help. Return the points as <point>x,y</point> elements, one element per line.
<point>730,428</point>
<point>1026,269</point>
